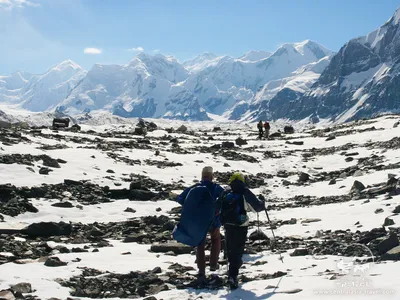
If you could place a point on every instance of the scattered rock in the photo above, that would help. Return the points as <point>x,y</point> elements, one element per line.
<point>227,145</point>
<point>176,248</point>
<point>64,204</point>
<point>332,182</point>
<point>23,288</point>
<point>357,187</point>
<point>110,171</point>
<point>129,209</point>
<point>393,254</point>
<point>330,138</point>
<point>258,236</point>
<point>310,220</point>
<point>45,171</point>
<point>379,210</point>
<point>182,129</point>
<point>300,252</point>
<point>54,262</point>
<point>397,210</point>
<point>6,294</point>
<point>303,177</point>
<point>135,185</point>
<point>388,222</point>
<point>49,162</point>
<point>240,142</point>
<point>47,229</point>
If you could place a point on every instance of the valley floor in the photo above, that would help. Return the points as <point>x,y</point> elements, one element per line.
<point>332,214</point>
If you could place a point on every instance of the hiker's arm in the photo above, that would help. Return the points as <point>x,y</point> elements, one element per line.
<point>252,199</point>
<point>181,198</point>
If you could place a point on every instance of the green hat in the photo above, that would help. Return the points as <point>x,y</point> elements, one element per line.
<point>236,176</point>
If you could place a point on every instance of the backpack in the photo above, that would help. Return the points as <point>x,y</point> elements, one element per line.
<point>198,213</point>
<point>232,208</point>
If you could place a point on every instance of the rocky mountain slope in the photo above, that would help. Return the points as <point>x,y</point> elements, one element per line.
<point>89,214</point>
<point>361,80</point>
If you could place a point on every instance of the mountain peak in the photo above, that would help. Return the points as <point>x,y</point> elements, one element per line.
<point>67,64</point>
<point>201,62</point>
<point>255,55</point>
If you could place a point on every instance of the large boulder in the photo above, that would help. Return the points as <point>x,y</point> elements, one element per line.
<point>357,187</point>
<point>174,247</point>
<point>300,252</point>
<point>288,129</point>
<point>142,195</point>
<point>140,131</point>
<point>228,145</point>
<point>54,262</point>
<point>240,142</point>
<point>303,177</point>
<point>47,229</point>
<point>23,288</point>
<point>182,129</point>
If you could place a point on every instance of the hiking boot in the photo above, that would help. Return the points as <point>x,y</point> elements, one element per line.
<point>214,268</point>
<point>233,283</point>
<point>200,281</point>
<point>215,282</point>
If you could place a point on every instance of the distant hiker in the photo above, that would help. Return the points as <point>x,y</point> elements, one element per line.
<point>234,202</point>
<point>260,129</point>
<point>266,129</point>
<point>199,216</point>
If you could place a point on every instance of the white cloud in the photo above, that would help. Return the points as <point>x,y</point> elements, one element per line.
<point>137,49</point>
<point>10,4</point>
<point>156,50</point>
<point>92,51</point>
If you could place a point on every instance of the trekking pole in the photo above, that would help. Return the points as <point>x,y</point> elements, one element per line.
<point>273,234</point>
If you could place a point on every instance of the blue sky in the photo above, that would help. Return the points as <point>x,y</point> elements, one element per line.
<point>36,34</point>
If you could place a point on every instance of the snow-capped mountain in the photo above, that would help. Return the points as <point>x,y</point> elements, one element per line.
<point>41,92</point>
<point>148,86</point>
<point>255,55</point>
<point>202,62</point>
<point>44,92</point>
<point>362,80</point>
<point>232,85</point>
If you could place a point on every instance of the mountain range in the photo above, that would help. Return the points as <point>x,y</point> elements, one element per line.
<point>297,81</point>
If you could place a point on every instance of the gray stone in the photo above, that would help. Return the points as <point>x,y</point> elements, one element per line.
<point>54,262</point>
<point>357,187</point>
<point>332,182</point>
<point>182,129</point>
<point>258,235</point>
<point>6,295</point>
<point>64,204</point>
<point>310,220</point>
<point>303,177</point>
<point>388,222</point>
<point>44,171</point>
<point>300,252</point>
<point>240,142</point>
<point>47,229</point>
<point>397,210</point>
<point>176,248</point>
<point>23,288</point>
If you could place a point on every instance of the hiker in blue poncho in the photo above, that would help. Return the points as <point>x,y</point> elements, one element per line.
<point>199,216</point>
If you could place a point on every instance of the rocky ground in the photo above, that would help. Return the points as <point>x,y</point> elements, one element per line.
<point>90,213</point>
